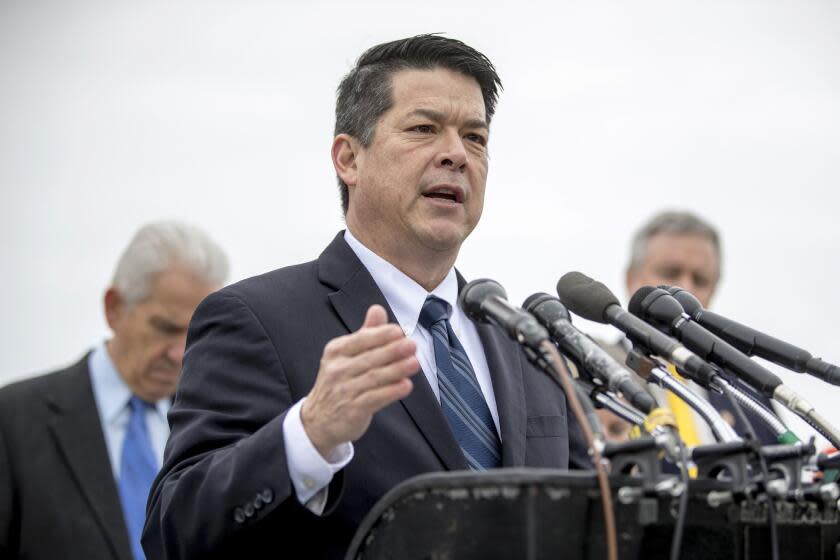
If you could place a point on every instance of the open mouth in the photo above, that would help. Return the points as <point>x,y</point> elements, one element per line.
<point>446,193</point>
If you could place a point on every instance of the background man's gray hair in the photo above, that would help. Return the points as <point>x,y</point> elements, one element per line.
<point>674,223</point>
<point>160,246</point>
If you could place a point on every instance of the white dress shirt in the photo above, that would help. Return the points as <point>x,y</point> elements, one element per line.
<point>112,395</point>
<point>309,472</point>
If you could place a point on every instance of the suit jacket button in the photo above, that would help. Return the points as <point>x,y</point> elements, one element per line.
<point>249,510</point>
<point>267,495</point>
<point>239,515</point>
<point>258,502</point>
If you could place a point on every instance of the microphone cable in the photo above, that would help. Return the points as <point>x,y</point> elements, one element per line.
<point>682,511</point>
<point>552,358</point>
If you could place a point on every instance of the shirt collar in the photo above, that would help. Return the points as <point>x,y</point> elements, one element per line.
<point>405,296</point>
<point>109,389</point>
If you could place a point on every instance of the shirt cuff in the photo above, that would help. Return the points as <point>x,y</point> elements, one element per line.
<point>309,471</point>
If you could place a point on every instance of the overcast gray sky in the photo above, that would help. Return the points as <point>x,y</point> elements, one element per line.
<point>220,113</point>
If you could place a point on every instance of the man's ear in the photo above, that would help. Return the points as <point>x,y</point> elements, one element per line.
<point>114,307</point>
<point>345,152</point>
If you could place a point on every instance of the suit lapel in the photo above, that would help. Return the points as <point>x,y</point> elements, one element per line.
<point>504,362</point>
<point>356,290</point>
<point>77,430</point>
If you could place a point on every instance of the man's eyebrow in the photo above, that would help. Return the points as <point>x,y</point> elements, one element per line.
<point>476,123</point>
<point>166,325</point>
<point>437,116</point>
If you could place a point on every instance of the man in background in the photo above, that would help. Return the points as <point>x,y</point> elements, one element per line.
<point>80,447</point>
<point>676,249</point>
<point>679,249</point>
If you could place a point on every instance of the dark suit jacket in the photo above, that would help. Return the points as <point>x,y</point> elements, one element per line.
<point>58,497</point>
<point>253,350</point>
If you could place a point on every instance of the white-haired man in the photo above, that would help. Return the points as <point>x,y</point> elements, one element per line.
<point>79,447</point>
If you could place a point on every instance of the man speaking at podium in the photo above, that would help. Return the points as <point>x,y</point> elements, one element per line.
<point>310,391</point>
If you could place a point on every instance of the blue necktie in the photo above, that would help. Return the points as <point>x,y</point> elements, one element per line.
<point>460,395</point>
<point>138,468</point>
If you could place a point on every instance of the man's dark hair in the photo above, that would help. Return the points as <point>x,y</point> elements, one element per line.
<point>366,93</point>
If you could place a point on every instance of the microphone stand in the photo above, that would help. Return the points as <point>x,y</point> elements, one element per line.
<point>783,435</point>
<point>608,400</point>
<point>807,412</point>
<point>651,372</point>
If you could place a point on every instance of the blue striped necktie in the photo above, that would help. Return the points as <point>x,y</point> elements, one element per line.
<point>138,467</point>
<point>460,395</point>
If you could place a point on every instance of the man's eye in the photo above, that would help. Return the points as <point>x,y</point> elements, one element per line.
<point>165,327</point>
<point>423,128</point>
<point>477,138</point>
<point>702,281</point>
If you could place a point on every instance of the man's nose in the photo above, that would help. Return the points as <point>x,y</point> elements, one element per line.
<point>175,350</point>
<point>453,153</point>
<point>686,282</point>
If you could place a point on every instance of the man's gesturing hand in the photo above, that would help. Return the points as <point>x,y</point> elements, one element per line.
<point>360,374</point>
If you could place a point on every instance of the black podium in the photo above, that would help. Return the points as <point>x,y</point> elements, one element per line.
<point>535,514</point>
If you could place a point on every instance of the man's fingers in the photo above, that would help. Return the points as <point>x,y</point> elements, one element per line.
<point>380,357</point>
<point>375,316</point>
<point>363,340</point>
<point>388,374</point>
<point>377,399</point>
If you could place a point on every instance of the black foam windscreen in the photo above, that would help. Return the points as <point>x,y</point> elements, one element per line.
<point>534,300</point>
<point>546,306</point>
<point>635,305</point>
<point>585,296</point>
<point>473,295</point>
<point>690,304</point>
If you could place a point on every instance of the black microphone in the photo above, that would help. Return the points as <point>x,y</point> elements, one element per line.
<point>658,307</point>
<point>662,309</point>
<point>755,343</point>
<point>485,301</point>
<point>594,301</point>
<point>554,316</point>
